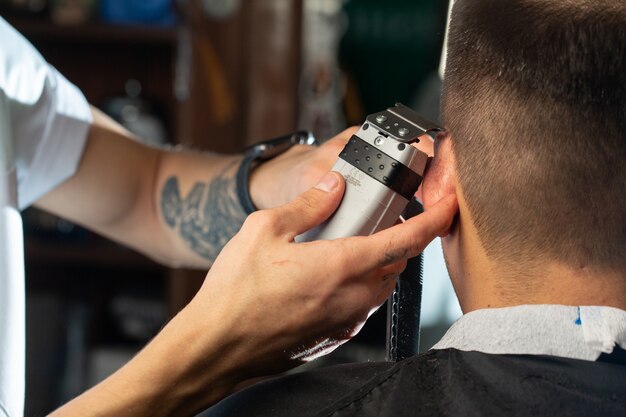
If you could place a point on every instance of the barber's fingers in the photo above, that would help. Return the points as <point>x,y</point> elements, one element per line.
<point>310,208</point>
<point>407,240</point>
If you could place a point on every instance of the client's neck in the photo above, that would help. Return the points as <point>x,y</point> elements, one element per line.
<point>480,282</point>
<point>548,284</point>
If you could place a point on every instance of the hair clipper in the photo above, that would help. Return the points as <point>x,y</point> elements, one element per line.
<point>382,173</point>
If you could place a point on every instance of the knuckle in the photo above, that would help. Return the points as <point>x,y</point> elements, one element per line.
<point>250,221</point>
<point>393,253</point>
<point>342,265</point>
<point>307,202</point>
<point>271,219</point>
<point>263,219</point>
<point>343,254</point>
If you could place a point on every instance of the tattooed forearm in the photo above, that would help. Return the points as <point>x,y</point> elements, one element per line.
<point>208,217</point>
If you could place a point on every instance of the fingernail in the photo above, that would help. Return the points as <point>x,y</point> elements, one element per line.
<point>328,182</point>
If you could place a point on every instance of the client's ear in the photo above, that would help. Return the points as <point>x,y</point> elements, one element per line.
<point>440,179</point>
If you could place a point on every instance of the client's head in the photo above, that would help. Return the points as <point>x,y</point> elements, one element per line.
<point>535,106</point>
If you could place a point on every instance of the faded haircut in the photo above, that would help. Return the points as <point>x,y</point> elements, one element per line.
<point>535,101</point>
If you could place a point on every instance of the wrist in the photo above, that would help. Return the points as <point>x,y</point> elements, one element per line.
<point>261,186</point>
<point>190,365</point>
<point>252,196</point>
<point>195,361</point>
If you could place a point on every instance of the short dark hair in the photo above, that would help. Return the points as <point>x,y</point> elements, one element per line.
<point>535,101</point>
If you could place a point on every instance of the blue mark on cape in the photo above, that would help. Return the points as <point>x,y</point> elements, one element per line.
<point>578,321</point>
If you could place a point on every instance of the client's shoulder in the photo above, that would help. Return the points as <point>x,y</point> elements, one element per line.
<point>440,382</point>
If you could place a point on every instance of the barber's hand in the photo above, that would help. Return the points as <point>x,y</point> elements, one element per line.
<point>287,302</point>
<point>267,304</point>
<point>283,178</point>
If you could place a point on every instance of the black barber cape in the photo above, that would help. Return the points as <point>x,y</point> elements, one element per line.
<point>446,382</point>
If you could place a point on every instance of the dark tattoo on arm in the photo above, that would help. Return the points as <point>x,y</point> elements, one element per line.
<point>208,217</point>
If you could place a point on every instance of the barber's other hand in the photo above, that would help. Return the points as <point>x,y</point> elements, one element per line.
<point>283,178</point>
<point>285,302</point>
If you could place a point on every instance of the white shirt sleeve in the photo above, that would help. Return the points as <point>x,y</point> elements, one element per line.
<point>49,117</point>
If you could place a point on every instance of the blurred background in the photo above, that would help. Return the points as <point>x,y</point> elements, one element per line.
<point>216,75</point>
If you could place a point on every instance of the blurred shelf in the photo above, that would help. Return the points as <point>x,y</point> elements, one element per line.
<point>95,253</point>
<point>94,32</point>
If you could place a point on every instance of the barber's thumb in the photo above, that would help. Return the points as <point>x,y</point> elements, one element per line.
<point>314,206</point>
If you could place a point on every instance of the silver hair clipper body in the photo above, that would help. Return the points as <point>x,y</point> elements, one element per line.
<point>382,172</point>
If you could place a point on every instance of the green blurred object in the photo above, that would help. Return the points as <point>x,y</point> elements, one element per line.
<point>390,47</point>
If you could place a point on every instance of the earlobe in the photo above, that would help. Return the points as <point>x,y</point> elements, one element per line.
<point>440,179</point>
